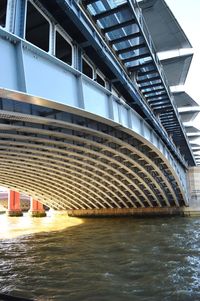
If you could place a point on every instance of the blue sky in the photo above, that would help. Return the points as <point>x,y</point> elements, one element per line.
<point>187,13</point>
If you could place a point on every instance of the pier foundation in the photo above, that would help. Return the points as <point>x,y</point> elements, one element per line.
<point>14,204</point>
<point>36,209</point>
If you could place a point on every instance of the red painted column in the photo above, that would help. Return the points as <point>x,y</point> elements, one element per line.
<point>36,208</point>
<point>14,204</point>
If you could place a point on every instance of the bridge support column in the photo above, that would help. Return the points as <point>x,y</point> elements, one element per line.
<point>36,209</point>
<point>194,190</point>
<point>14,204</point>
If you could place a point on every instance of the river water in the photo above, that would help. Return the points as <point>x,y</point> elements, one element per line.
<point>117,259</point>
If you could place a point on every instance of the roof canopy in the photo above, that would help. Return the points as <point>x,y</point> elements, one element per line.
<point>182,99</point>
<point>163,26</point>
<point>176,69</point>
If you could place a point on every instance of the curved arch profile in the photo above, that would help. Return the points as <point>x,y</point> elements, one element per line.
<point>67,165</point>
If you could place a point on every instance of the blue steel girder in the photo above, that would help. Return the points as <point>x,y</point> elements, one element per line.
<point>22,45</point>
<point>22,80</point>
<point>104,51</point>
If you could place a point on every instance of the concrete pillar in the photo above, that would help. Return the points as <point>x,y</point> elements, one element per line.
<point>14,204</point>
<point>36,208</point>
<point>194,191</point>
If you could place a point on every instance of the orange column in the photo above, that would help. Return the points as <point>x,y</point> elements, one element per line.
<point>14,204</point>
<point>36,208</point>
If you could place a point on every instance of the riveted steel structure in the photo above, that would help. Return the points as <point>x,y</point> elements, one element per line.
<point>87,119</point>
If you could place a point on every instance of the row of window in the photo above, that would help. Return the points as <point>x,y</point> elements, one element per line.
<point>37,32</point>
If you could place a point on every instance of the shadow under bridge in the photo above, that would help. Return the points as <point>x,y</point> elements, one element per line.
<point>76,160</point>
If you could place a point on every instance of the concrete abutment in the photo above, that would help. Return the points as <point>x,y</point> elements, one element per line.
<point>137,212</point>
<point>194,192</point>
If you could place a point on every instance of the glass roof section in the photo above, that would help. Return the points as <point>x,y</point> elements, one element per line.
<point>118,24</point>
<point>122,26</point>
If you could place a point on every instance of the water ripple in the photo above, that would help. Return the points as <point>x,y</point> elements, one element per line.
<point>106,259</point>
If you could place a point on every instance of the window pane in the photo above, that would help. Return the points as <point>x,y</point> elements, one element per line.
<point>87,69</point>
<point>100,80</point>
<point>37,28</point>
<point>3,6</point>
<point>63,49</point>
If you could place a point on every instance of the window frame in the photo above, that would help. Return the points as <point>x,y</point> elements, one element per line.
<point>100,74</point>
<point>47,19</point>
<point>6,17</point>
<point>67,38</point>
<point>87,60</point>
<point>115,92</point>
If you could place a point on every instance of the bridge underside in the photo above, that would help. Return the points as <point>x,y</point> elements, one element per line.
<point>72,162</point>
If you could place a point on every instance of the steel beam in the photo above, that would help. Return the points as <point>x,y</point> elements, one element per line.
<point>88,2</point>
<point>152,85</point>
<point>137,68</point>
<point>159,109</point>
<point>136,57</point>
<point>111,11</point>
<point>125,38</point>
<point>159,100</point>
<point>147,72</point>
<point>156,96</point>
<point>148,79</point>
<point>118,26</point>
<point>131,48</point>
<point>154,91</point>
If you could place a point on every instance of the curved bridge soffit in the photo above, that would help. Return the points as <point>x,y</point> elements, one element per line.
<point>84,165</point>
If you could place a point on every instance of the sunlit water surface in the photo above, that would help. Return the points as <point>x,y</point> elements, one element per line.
<point>102,259</point>
<point>11,227</point>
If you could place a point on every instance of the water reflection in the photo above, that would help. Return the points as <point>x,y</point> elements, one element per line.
<point>11,227</point>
